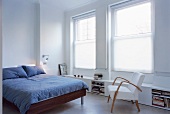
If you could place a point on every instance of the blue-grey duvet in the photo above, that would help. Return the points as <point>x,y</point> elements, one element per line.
<point>25,91</point>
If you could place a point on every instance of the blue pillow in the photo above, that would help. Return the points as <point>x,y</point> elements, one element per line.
<point>33,70</point>
<point>40,70</point>
<point>13,72</point>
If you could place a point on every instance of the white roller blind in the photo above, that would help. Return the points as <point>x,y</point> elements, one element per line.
<point>85,41</point>
<point>132,43</point>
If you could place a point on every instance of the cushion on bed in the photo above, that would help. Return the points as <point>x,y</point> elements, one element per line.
<point>13,72</point>
<point>40,70</point>
<point>33,70</point>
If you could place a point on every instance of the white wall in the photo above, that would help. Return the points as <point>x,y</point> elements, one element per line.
<point>162,43</point>
<point>101,64</point>
<point>19,32</point>
<point>161,39</point>
<point>30,30</point>
<point>51,36</point>
<point>162,36</point>
<point>0,56</point>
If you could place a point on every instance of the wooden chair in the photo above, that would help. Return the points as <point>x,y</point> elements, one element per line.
<point>127,93</point>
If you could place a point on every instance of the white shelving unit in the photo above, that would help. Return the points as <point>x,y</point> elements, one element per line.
<point>161,98</point>
<point>145,97</point>
<point>102,89</point>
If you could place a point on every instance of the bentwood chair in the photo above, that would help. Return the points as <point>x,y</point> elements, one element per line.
<point>126,93</point>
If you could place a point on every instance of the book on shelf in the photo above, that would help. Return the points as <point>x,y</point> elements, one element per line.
<point>157,92</point>
<point>166,93</point>
<point>158,101</point>
<point>98,87</point>
<point>166,102</point>
<point>98,83</point>
<point>102,90</point>
<point>95,88</point>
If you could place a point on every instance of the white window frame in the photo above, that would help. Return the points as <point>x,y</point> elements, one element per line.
<point>74,19</point>
<point>122,5</point>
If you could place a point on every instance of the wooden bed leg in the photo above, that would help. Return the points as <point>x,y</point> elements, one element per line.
<point>132,101</point>
<point>108,99</point>
<point>82,100</point>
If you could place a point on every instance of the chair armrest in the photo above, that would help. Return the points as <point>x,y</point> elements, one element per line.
<point>115,95</point>
<point>120,85</point>
<point>120,78</point>
<point>128,83</point>
<point>135,86</point>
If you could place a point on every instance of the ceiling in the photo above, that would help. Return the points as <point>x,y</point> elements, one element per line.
<point>67,4</point>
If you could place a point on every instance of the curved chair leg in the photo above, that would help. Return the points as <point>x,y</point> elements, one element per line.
<point>137,105</point>
<point>108,98</point>
<point>114,99</point>
<point>113,104</point>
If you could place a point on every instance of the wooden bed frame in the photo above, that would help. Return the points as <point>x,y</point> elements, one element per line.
<point>53,102</point>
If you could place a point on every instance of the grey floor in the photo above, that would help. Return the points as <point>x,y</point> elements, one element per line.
<point>95,104</point>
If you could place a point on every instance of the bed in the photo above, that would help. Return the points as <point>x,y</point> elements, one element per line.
<point>41,92</point>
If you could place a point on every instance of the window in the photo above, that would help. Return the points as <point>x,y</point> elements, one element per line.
<point>85,41</point>
<point>132,37</point>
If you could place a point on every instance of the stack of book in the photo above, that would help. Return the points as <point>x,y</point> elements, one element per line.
<point>165,93</point>
<point>98,87</point>
<point>158,101</point>
<point>156,92</point>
